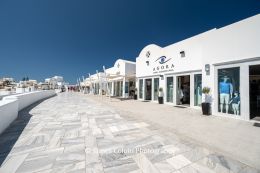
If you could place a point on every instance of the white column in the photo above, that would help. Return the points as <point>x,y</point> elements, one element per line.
<point>244,92</point>
<point>123,89</point>
<point>112,88</point>
<point>143,89</point>
<point>162,84</point>
<point>152,89</point>
<point>192,90</point>
<point>137,86</point>
<point>175,90</point>
<point>212,82</point>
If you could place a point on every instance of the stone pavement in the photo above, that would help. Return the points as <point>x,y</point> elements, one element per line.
<point>235,138</point>
<point>71,133</point>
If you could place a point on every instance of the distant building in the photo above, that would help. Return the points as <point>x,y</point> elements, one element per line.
<point>7,86</point>
<point>26,86</point>
<point>55,82</point>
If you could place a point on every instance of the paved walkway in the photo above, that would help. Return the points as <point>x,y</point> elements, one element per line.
<point>72,133</point>
<point>235,138</point>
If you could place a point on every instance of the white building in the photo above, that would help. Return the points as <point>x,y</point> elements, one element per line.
<point>118,81</point>
<point>55,82</point>
<point>26,86</point>
<point>227,60</point>
<point>97,83</point>
<point>121,78</point>
<point>85,85</point>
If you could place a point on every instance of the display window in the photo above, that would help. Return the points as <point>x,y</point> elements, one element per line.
<point>110,87</point>
<point>127,87</point>
<point>120,88</point>
<point>197,89</point>
<point>229,91</point>
<point>169,86</point>
<point>148,89</point>
<point>155,88</point>
<point>141,88</point>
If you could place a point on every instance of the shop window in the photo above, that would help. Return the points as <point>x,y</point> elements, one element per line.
<point>148,89</point>
<point>141,88</point>
<point>115,89</point>
<point>126,87</point>
<point>121,88</point>
<point>169,86</point>
<point>197,89</point>
<point>109,87</point>
<point>155,88</point>
<point>228,91</point>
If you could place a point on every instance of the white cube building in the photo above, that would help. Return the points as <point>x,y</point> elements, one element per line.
<point>227,60</point>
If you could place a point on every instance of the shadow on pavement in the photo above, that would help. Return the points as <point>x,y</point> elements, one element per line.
<point>9,137</point>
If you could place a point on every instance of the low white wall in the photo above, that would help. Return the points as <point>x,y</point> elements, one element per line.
<point>11,105</point>
<point>26,99</point>
<point>8,113</point>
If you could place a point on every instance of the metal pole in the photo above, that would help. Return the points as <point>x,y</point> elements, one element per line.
<point>77,82</point>
<point>108,89</point>
<point>99,88</point>
<point>83,85</point>
<point>91,87</point>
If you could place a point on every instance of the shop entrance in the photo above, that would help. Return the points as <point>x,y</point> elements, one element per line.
<point>131,89</point>
<point>254,91</point>
<point>148,89</point>
<point>118,88</point>
<point>183,90</point>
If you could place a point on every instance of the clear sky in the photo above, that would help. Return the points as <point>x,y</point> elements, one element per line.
<point>43,38</point>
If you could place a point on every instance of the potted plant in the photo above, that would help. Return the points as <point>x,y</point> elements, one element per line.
<point>135,96</point>
<point>160,96</point>
<point>206,104</point>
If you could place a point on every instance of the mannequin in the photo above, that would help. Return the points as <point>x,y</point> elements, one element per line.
<point>225,90</point>
<point>199,94</point>
<point>235,102</point>
<point>181,95</point>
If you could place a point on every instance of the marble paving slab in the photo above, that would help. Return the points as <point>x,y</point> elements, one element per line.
<point>71,133</point>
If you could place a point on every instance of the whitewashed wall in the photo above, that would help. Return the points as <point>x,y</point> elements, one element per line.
<point>8,112</point>
<point>236,45</point>
<point>11,105</point>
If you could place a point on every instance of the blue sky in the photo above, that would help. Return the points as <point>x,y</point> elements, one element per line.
<point>43,38</point>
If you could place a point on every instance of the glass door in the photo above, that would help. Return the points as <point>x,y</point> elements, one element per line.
<point>155,88</point>
<point>183,90</point>
<point>141,89</point>
<point>254,92</point>
<point>115,88</point>
<point>197,89</point>
<point>169,92</point>
<point>131,88</point>
<point>148,89</point>
<point>109,88</point>
<point>120,88</point>
<point>126,87</point>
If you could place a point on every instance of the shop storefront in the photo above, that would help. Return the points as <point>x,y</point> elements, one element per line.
<point>96,83</point>
<point>176,69</point>
<point>121,79</point>
<point>227,60</point>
